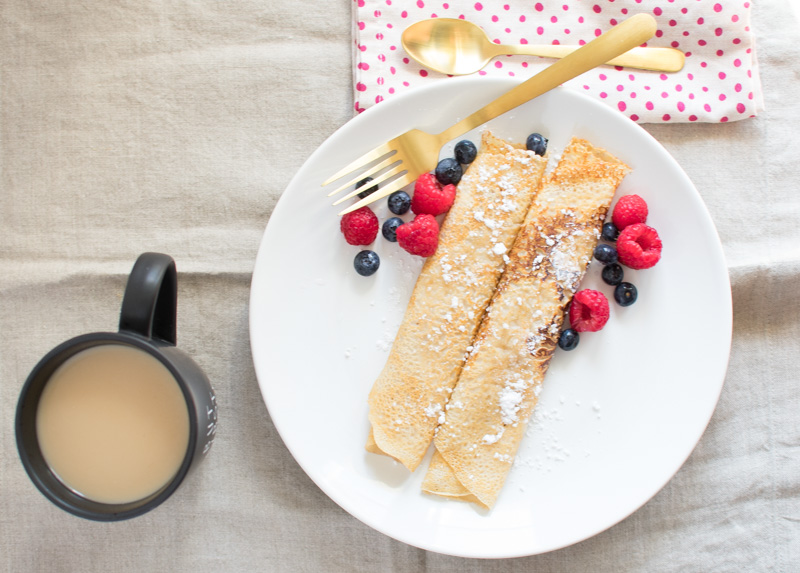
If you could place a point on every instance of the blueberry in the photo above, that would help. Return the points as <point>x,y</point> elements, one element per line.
<point>449,171</point>
<point>366,263</point>
<point>569,339</point>
<point>399,202</point>
<point>465,151</point>
<point>606,254</point>
<point>625,294</point>
<point>612,274</point>
<point>610,232</point>
<point>366,192</point>
<point>536,143</point>
<point>389,228</point>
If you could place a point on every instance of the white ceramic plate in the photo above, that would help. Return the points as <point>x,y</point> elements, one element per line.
<point>617,417</point>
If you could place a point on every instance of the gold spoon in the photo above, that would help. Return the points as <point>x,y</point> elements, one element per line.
<point>457,47</point>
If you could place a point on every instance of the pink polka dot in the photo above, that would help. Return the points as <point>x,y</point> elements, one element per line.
<point>603,95</point>
<point>380,81</point>
<point>478,6</point>
<point>420,4</point>
<point>634,117</point>
<point>657,11</point>
<point>666,117</point>
<point>377,13</point>
<point>672,23</point>
<point>498,64</point>
<point>596,9</point>
<point>720,52</point>
<point>538,7</point>
<point>404,14</point>
<point>722,97</point>
<point>392,70</point>
<point>707,107</point>
<point>734,18</point>
<point>522,18</point>
<point>423,73</point>
<point>664,95</point>
<point>391,90</point>
<point>363,66</point>
<point>381,57</point>
<point>362,48</point>
<point>737,88</point>
<point>622,106</point>
<point>379,36</point>
<point>506,7</point>
<point>721,75</point>
<point>603,77</point>
<point>723,119</point>
<point>717,7</point>
<point>523,41</point>
<point>701,42</point>
<point>360,3</point>
<point>718,32</point>
<point>681,106</point>
<point>405,84</point>
<point>620,88</point>
<point>361,87</point>
<point>405,60</point>
<point>361,25</point>
<point>737,62</point>
<point>649,105</point>
<point>540,30</point>
<point>495,18</point>
<point>700,21</point>
<point>378,99</point>
<point>692,117</point>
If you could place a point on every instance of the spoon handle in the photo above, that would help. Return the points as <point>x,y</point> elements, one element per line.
<point>627,35</point>
<point>653,59</point>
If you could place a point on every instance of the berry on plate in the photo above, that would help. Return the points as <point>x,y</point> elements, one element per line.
<point>366,263</point>
<point>612,274</point>
<point>449,171</point>
<point>465,151</point>
<point>625,294</point>
<point>588,311</point>
<point>359,227</point>
<point>420,236</point>
<point>389,228</point>
<point>366,192</point>
<point>536,143</point>
<point>639,246</point>
<point>430,197</point>
<point>399,202</point>
<point>606,254</point>
<point>569,339</point>
<point>610,232</point>
<point>629,210</point>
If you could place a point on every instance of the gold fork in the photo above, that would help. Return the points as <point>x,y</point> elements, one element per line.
<point>403,159</point>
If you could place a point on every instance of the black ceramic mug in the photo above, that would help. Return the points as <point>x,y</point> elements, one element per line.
<point>148,324</point>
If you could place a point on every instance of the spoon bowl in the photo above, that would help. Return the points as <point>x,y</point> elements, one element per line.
<point>456,47</point>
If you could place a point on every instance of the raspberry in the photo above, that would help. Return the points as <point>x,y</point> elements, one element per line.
<point>629,210</point>
<point>430,197</point>
<point>420,236</point>
<point>360,227</point>
<point>639,246</point>
<point>588,311</point>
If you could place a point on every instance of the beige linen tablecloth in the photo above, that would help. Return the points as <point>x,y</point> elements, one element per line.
<point>174,127</point>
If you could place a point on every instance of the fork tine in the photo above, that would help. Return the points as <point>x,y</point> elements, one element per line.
<point>395,185</point>
<point>372,170</point>
<point>396,170</point>
<point>368,157</point>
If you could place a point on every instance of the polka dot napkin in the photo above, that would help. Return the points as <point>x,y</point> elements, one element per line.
<point>718,83</point>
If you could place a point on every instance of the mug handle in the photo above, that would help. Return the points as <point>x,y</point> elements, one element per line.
<point>150,302</point>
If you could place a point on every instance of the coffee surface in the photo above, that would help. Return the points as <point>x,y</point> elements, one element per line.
<point>112,424</point>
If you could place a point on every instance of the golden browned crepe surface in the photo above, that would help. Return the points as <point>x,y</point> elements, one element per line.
<point>499,384</point>
<point>408,399</point>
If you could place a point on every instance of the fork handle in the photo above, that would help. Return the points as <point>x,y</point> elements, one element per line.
<point>627,35</point>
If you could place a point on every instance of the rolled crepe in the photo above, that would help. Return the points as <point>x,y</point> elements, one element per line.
<point>499,384</point>
<point>408,398</point>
